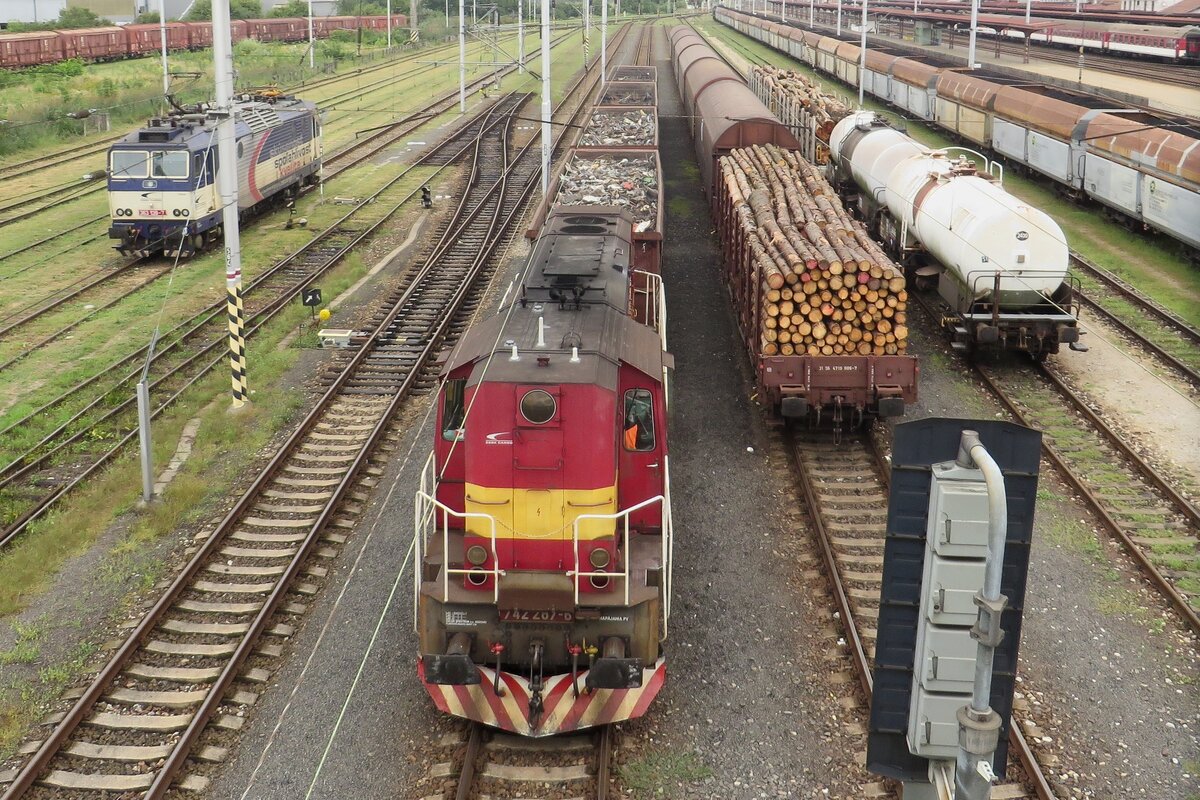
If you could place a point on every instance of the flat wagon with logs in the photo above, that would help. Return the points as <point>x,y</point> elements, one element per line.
<point>820,306</point>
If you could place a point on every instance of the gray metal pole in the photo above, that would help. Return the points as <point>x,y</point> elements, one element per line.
<point>547,134</point>
<point>1028,9</point>
<point>603,42</point>
<point>862,63</point>
<point>520,36</point>
<point>162,33</point>
<point>974,30</point>
<point>227,184</point>
<point>812,12</point>
<point>389,24</point>
<point>143,406</point>
<point>312,40</point>
<point>462,57</point>
<point>783,11</point>
<point>978,724</point>
<point>839,17</point>
<point>587,33</point>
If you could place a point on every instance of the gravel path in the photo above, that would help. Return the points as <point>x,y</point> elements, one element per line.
<point>1110,678</point>
<point>749,693</point>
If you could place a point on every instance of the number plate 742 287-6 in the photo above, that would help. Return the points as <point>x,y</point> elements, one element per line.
<point>522,615</point>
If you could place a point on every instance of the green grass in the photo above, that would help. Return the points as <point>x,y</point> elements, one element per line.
<point>23,701</point>
<point>662,774</point>
<point>27,647</point>
<point>225,447</point>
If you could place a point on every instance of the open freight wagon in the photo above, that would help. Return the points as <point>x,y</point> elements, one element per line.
<point>615,164</point>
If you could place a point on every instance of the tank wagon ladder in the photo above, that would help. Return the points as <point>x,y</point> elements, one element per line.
<point>845,491</point>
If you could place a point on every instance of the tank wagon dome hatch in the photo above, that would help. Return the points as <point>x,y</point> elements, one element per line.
<point>575,295</point>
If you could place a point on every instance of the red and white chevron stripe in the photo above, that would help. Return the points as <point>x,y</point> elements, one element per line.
<point>563,712</point>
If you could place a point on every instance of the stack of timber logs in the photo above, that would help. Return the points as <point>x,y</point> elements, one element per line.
<point>827,109</point>
<point>827,288</point>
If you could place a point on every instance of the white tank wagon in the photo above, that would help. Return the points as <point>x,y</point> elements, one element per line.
<point>1000,264</point>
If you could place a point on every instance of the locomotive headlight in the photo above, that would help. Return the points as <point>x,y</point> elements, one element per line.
<point>599,558</point>
<point>185,212</point>
<point>476,555</point>
<point>175,212</point>
<point>129,212</point>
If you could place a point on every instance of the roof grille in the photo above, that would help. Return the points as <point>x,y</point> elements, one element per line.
<point>259,118</point>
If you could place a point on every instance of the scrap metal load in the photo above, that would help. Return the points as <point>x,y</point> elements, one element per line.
<point>616,128</point>
<point>613,179</point>
<point>827,288</point>
<point>820,308</point>
<point>615,166</point>
<point>802,105</point>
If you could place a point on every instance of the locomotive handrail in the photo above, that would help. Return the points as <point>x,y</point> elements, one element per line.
<point>575,574</point>
<point>655,294</point>
<point>425,511</point>
<point>668,544</point>
<point>447,570</point>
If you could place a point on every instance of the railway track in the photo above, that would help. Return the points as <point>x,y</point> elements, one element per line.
<point>183,664</point>
<point>96,432</point>
<point>845,489</point>
<point>66,155</point>
<point>350,155</point>
<point>1140,506</point>
<point>160,706</point>
<point>41,200</point>
<point>486,764</point>
<point>1147,323</point>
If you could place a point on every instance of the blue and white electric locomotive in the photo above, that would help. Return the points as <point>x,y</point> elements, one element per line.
<point>162,190</point>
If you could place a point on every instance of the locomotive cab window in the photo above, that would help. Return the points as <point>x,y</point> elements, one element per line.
<point>638,426</point>
<point>129,163</point>
<point>454,409</point>
<point>169,164</point>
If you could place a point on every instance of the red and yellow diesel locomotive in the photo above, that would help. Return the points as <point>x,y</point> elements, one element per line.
<point>543,523</point>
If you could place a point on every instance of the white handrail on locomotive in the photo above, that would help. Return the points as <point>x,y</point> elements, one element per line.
<point>575,574</point>
<point>425,522</point>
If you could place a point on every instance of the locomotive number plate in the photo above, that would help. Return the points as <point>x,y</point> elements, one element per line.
<point>521,615</point>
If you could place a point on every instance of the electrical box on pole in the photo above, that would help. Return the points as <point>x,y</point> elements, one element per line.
<point>935,557</point>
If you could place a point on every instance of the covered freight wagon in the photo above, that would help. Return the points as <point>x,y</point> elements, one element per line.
<point>30,49</point>
<point>725,114</point>
<point>94,44</point>
<point>147,38</point>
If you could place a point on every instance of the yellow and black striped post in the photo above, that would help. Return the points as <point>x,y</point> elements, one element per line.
<point>237,343</point>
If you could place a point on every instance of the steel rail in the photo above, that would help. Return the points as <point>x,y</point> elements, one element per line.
<point>1033,770</point>
<point>362,149</point>
<point>1029,765</point>
<point>1160,581</point>
<point>466,778</point>
<point>1177,600</point>
<point>1130,293</point>
<point>1143,341</point>
<point>215,694</point>
<point>21,465</point>
<point>166,773</point>
<point>604,759</point>
<point>26,166</point>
